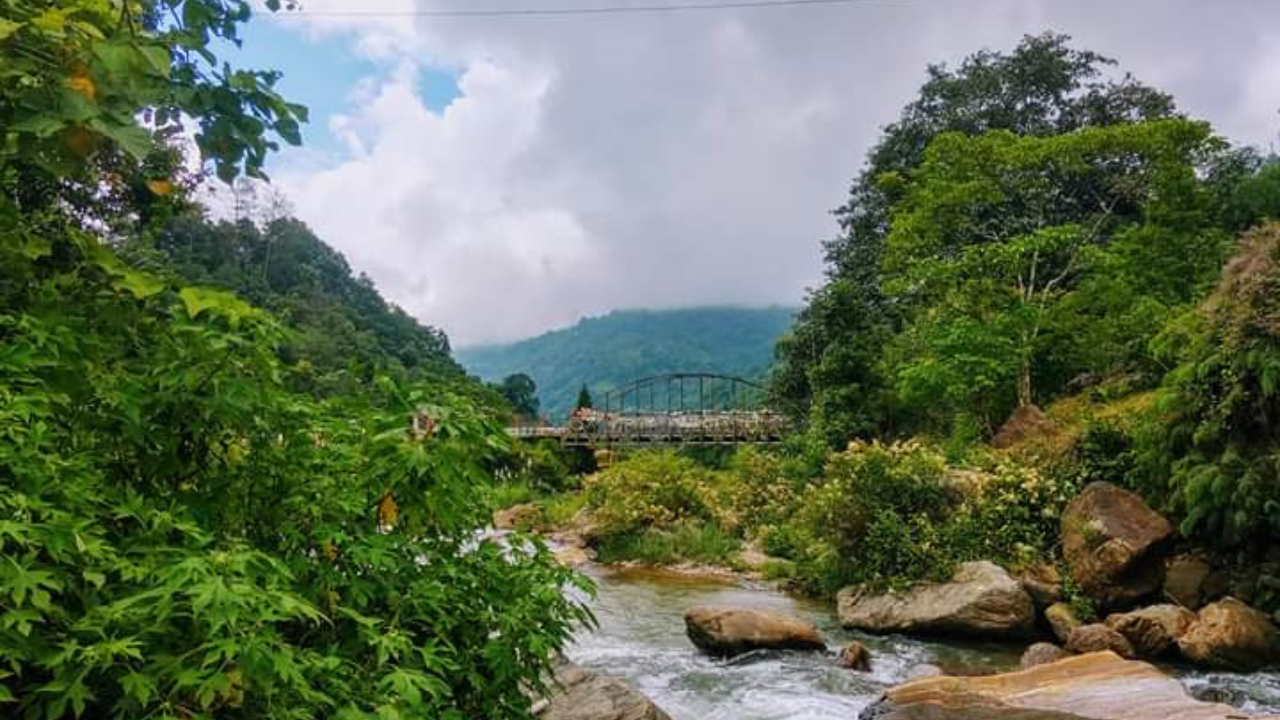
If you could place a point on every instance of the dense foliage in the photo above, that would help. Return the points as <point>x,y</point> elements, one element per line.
<point>1212,451</point>
<point>86,86</point>
<point>186,530</point>
<point>183,536</point>
<point>607,352</point>
<point>1036,231</point>
<point>521,393</point>
<point>344,330</point>
<point>884,515</point>
<point>1021,263</point>
<point>953,173</point>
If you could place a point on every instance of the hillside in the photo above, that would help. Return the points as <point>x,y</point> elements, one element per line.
<point>607,351</point>
<point>343,328</point>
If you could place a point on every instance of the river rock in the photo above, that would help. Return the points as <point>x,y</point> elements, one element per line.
<point>1062,620</point>
<point>729,631</point>
<point>1114,544</point>
<point>1041,653</point>
<point>580,694</point>
<point>1096,637</point>
<point>854,656</point>
<point>572,556</point>
<point>1027,422</point>
<point>981,599</point>
<point>516,516</point>
<point>1153,631</point>
<point>1042,582</point>
<point>1184,580</point>
<point>1097,686</point>
<point>1232,635</point>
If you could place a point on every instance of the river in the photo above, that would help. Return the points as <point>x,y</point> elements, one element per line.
<point>641,638</point>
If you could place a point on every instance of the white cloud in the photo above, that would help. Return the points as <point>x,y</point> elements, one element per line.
<point>603,162</point>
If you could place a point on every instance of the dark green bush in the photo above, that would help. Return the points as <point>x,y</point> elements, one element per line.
<point>890,515</point>
<point>1210,451</point>
<point>181,536</point>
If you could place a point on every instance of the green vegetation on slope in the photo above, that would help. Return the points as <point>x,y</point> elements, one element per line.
<point>345,332</point>
<point>1030,231</point>
<point>605,352</point>
<point>187,527</point>
<point>1027,225</point>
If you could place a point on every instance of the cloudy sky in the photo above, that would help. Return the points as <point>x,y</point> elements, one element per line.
<point>498,177</point>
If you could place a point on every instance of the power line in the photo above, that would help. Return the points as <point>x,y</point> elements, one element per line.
<point>571,11</point>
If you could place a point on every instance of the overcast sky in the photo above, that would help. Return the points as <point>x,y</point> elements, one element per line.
<point>501,177</point>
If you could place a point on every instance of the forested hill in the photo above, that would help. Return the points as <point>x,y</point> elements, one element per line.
<point>343,328</point>
<point>628,344</point>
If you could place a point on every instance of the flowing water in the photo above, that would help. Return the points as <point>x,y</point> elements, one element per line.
<point>641,638</point>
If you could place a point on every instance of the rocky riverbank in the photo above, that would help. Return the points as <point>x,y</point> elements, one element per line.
<point>1151,605</point>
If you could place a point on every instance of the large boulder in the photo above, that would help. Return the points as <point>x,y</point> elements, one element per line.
<point>517,517</point>
<point>1096,637</point>
<point>981,599</point>
<point>1232,635</point>
<point>1042,582</point>
<point>1185,577</point>
<point>579,694</point>
<point>730,631</point>
<point>1114,544</point>
<point>1062,620</point>
<point>1027,422</point>
<point>1097,686</point>
<point>1153,631</point>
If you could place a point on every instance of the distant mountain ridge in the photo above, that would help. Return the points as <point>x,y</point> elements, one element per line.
<point>624,345</point>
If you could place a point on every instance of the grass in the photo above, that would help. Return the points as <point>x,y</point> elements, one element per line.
<point>706,544</point>
<point>504,495</point>
<point>558,510</point>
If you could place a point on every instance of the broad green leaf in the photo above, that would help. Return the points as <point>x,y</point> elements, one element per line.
<point>142,285</point>
<point>8,27</point>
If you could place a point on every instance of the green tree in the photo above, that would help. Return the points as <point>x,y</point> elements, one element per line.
<point>521,393</point>
<point>994,232</point>
<point>1042,87</point>
<point>584,398</point>
<point>346,331</point>
<point>91,92</point>
<point>182,535</point>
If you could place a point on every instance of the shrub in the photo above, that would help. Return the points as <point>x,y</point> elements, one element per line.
<point>651,490</point>
<point>539,466</point>
<point>757,490</point>
<point>871,519</point>
<point>903,479</point>
<point>687,541</point>
<point>886,516</point>
<point>558,510</point>
<point>183,536</point>
<point>1013,519</point>
<point>1211,447</point>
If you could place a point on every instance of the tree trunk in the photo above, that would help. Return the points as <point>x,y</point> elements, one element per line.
<point>1024,383</point>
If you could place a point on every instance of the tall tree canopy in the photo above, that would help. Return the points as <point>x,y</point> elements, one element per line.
<point>829,366</point>
<point>522,393</point>
<point>584,398</point>
<point>345,331</point>
<point>1001,246</point>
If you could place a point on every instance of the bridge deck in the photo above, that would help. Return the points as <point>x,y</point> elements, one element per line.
<point>713,428</point>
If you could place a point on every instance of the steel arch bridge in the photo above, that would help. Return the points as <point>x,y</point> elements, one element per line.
<point>689,408</point>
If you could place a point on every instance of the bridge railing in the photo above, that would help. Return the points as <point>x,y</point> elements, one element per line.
<point>676,408</point>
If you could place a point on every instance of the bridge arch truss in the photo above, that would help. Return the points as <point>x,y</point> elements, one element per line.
<point>699,408</point>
